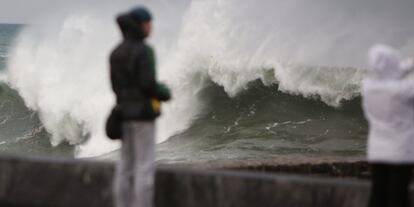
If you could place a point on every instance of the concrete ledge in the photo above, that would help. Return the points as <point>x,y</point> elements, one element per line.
<point>226,189</point>
<point>70,183</point>
<point>45,182</point>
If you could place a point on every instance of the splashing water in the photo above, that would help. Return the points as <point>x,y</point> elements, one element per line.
<point>314,49</point>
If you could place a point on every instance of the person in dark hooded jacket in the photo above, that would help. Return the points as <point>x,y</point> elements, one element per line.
<point>138,95</point>
<point>133,69</point>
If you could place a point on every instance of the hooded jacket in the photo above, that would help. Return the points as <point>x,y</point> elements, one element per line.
<point>133,77</point>
<point>388,102</point>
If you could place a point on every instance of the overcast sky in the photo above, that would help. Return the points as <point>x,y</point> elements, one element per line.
<point>26,11</point>
<point>22,11</point>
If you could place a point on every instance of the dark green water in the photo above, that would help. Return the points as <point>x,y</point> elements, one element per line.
<point>259,123</point>
<point>262,123</point>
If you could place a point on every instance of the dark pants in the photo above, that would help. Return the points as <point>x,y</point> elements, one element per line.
<point>390,185</point>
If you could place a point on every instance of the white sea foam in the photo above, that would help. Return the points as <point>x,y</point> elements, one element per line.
<point>3,77</point>
<point>61,69</point>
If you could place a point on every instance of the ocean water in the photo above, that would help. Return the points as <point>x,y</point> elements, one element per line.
<point>21,130</point>
<point>283,80</point>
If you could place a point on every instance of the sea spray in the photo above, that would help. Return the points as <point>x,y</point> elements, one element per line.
<point>60,68</point>
<point>61,72</point>
<point>313,49</point>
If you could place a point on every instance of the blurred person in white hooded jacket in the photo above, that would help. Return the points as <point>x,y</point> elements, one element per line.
<point>388,102</point>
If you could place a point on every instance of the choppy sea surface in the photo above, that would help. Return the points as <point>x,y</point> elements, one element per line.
<point>259,122</point>
<point>281,81</point>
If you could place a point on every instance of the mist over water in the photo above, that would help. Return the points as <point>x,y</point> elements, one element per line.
<point>311,49</point>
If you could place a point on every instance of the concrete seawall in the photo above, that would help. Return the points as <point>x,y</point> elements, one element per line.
<point>73,183</point>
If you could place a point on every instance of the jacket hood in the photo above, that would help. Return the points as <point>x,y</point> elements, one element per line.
<point>129,27</point>
<point>386,63</point>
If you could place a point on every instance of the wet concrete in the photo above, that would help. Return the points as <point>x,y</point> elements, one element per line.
<point>69,183</point>
<point>51,182</point>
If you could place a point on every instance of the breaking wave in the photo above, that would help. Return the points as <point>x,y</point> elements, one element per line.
<point>314,50</point>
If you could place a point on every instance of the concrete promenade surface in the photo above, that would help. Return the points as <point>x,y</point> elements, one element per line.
<point>46,182</point>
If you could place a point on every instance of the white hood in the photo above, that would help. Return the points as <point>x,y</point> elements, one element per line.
<point>385,63</point>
